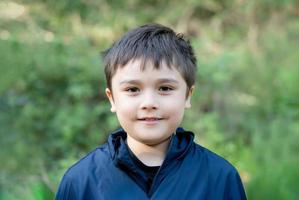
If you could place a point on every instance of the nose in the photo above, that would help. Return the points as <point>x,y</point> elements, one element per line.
<point>149,101</point>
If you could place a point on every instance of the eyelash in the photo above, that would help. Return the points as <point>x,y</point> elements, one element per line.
<point>131,89</point>
<point>167,88</point>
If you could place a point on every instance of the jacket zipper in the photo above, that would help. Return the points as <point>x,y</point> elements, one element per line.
<point>162,166</point>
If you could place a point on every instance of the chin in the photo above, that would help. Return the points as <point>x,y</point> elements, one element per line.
<point>154,141</point>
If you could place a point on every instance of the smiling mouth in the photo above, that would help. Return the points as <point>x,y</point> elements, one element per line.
<point>149,119</point>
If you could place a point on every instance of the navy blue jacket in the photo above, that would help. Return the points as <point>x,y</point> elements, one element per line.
<point>189,171</point>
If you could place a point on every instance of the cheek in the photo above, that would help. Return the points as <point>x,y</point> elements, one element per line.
<point>124,107</point>
<point>175,108</point>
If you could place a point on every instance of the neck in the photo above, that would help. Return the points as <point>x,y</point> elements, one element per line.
<point>150,155</point>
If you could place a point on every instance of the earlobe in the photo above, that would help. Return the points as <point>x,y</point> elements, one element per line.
<point>112,109</point>
<point>188,100</point>
<point>110,97</point>
<point>188,103</point>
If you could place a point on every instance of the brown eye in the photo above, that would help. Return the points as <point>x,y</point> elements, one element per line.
<point>132,89</point>
<point>165,89</point>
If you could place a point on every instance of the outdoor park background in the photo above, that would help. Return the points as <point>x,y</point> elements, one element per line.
<point>52,104</point>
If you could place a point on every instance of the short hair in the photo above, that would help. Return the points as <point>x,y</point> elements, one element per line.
<point>155,43</point>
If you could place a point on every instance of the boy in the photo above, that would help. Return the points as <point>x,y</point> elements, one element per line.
<point>150,75</point>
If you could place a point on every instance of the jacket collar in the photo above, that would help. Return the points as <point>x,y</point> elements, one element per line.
<point>181,142</point>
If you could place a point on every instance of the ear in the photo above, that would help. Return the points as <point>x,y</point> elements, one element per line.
<point>110,97</point>
<point>188,100</point>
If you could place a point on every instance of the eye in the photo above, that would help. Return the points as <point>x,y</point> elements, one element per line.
<point>132,89</point>
<point>165,89</point>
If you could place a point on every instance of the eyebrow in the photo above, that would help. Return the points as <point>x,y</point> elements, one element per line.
<point>161,80</point>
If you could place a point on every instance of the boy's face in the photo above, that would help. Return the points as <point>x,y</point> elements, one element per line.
<point>149,104</point>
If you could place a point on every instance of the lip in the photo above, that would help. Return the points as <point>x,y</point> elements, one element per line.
<point>150,120</point>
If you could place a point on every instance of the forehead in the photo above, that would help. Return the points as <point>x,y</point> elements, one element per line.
<point>140,70</point>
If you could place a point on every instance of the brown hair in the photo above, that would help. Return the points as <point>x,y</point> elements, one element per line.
<point>155,43</point>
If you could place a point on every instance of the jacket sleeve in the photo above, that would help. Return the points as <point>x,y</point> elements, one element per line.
<point>66,190</point>
<point>234,187</point>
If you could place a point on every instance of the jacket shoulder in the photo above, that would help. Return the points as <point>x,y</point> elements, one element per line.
<point>94,159</point>
<point>214,161</point>
<point>76,177</point>
<point>222,175</point>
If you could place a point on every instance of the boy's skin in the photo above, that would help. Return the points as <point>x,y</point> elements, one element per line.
<point>149,105</point>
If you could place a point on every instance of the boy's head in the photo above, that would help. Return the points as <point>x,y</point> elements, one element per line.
<point>154,43</point>
<point>150,76</point>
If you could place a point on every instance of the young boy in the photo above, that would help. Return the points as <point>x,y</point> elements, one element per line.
<point>150,75</point>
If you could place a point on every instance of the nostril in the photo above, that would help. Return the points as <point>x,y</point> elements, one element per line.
<point>149,107</point>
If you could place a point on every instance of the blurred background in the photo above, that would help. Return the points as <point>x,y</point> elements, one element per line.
<point>53,109</point>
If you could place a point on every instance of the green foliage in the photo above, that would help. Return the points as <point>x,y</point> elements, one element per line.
<point>41,191</point>
<point>278,161</point>
<point>53,109</point>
